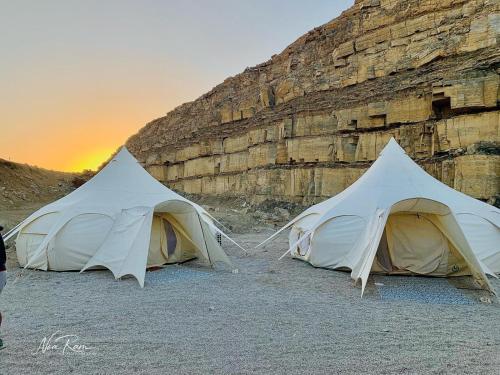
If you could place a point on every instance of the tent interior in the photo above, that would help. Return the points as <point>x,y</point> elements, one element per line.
<point>169,241</point>
<point>420,237</point>
<point>176,234</point>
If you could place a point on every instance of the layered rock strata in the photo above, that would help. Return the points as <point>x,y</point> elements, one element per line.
<point>306,124</point>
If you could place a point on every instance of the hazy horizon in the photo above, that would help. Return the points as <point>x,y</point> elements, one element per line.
<point>79,78</point>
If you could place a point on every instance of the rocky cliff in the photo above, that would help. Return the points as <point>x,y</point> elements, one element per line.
<point>306,124</point>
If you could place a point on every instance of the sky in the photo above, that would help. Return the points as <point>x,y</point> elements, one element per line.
<point>77,78</point>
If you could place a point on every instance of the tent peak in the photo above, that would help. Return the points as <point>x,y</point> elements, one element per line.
<point>393,147</point>
<point>124,156</point>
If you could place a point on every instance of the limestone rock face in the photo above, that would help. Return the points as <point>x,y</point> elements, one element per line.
<point>306,124</point>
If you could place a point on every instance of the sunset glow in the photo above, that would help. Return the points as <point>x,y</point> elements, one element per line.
<point>92,160</point>
<point>80,77</point>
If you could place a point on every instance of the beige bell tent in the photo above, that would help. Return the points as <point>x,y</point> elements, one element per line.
<point>122,219</point>
<point>397,219</point>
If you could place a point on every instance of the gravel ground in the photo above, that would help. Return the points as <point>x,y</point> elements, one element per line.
<point>271,317</point>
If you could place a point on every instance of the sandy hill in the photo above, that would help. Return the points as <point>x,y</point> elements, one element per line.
<point>24,188</point>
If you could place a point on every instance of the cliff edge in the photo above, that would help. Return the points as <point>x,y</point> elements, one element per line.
<point>304,125</point>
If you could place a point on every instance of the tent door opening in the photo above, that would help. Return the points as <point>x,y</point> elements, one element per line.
<point>412,243</point>
<point>168,243</point>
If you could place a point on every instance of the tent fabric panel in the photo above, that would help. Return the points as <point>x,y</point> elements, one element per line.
<point>332,242</point>
<point>157,253</point>
<point>492,262</point>
<point>77,241</point>
<point>26,246</point>
<point>135,260</point>
<point>42,224</point>
<point>450,227</point>
<point>367,248</point>
<point>416,245</point>
<point>453,264</point>
<point>39,259</point>
<point>190,223</point>
<point>428,206</point>
<point>121,244</point>
<point>457,265</point>
<point>484,238</point>
<point>382,262</point>
<point>307,221</point>
<point>215,252</point>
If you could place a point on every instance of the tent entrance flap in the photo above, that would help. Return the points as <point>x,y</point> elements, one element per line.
<point>169,241</point>
<point>412,243</point>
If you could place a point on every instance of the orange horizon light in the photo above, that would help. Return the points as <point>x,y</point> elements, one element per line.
<point>89,161</point>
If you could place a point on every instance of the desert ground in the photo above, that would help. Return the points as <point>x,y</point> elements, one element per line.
<point>272,316</point>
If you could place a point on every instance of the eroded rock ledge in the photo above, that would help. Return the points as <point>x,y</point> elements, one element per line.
<point>307,123</point>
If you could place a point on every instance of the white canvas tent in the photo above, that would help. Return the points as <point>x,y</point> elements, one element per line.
<point>122,219</point>
<point>397,219</point>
